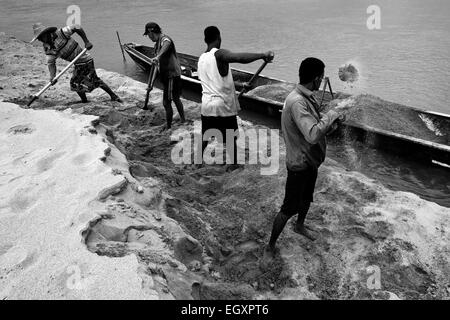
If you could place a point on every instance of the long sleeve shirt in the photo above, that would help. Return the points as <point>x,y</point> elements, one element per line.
<point>304,129</point>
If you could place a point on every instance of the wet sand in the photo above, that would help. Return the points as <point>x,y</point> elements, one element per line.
<point>199,232</point>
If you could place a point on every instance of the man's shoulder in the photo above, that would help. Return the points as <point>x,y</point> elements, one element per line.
<point>165,37</point>
<point>295,99</point>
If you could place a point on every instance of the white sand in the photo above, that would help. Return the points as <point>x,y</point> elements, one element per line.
<point>50,175</point>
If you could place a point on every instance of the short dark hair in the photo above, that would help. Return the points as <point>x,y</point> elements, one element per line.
<point>310,68</point>
<point>212,33</point>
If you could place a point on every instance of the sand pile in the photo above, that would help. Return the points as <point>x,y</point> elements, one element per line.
<point>197,232</point>
<point>276,92</point>
<point>50,173</point>
<point>377,113</point>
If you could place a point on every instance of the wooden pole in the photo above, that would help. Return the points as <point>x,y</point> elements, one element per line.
<point>325,83</point>
<point>331,91</point>
<point>121,47</point>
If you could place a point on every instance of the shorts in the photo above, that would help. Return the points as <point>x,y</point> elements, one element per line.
<point>84,77</point>
<point>172,88</point>
<point>299,189</point>
<point>219,123</point>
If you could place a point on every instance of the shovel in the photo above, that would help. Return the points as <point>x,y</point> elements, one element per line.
<point>244,90</point>
<point>150,82</point>
<point>48,85</point>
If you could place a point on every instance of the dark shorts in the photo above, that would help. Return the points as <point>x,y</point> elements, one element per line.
<point>172,88</point>
<point>84,78</point>
<point>219,123</point>
<point>299,189</point>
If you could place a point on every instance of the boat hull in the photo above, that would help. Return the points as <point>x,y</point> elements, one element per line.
<point>434,150</point>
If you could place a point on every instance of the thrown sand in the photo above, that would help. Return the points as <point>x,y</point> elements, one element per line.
<point>348,73</point>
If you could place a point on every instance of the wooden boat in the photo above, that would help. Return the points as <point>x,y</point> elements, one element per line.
<point>422,135</point>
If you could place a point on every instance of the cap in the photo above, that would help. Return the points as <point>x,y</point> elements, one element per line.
<point>39,29</point>
<point>152,27</point>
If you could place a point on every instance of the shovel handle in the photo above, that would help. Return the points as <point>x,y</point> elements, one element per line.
<point>48,85</point>
<point>253,78</point>
<point>150,82</point>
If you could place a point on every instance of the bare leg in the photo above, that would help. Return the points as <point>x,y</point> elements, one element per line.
<point>180,108</point>
<point>278,225</point>
<point>107,89</point>
<point>300,225</point>
<point>169,112</point>
<point>82,96</point>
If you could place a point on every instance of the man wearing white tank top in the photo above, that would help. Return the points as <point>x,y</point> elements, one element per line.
<point>219,101</point>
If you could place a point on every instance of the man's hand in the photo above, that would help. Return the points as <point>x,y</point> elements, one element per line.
<point>344,105</point>
<point>247,86</point>
<point>154,60</point>
<point>88,45</point>
<point>53,80</point>
<point>268,56</point>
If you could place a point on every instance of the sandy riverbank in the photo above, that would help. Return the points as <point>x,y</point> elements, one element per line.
<point>178,231</point>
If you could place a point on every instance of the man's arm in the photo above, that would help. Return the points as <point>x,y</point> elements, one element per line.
<point>164,48</point>
<point>51,63</point>
<point>225,57</point>
<point>78,30</point>
<point>312,129</point>
<point>242,57</point>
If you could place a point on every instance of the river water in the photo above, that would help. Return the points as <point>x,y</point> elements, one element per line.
<point>406,61</point>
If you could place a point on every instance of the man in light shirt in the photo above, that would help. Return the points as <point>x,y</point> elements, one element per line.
<point>219,101</point>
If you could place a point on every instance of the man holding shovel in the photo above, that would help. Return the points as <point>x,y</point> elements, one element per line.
<point>169,70</point>
<point>304,130</point>
<point>220,104</point>
<point>59,44</point>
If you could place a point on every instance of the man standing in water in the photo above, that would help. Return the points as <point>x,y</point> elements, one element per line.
<point>169,70</point>
<point>219,102</point>
<point>59,44</point>
<point>304,131</point>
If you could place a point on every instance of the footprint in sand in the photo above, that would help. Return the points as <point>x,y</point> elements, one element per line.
<point>46,163</point>
<point>22,129</point>
<point>80,159</point>
<point>21,200</point>
<point>16,257</point>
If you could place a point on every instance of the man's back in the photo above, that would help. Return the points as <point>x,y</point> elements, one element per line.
<point>219,94</point>
<point>65,47</point>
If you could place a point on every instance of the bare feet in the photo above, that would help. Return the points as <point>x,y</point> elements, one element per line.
<point>302,230</point>
<point>165,128</point>
<point>269,253</point>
